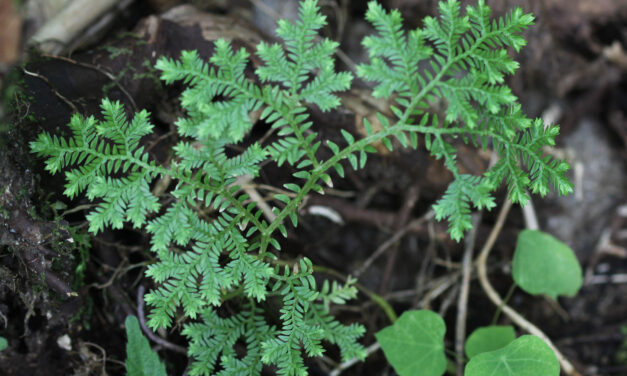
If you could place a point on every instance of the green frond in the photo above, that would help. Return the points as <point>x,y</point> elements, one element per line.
<point>256,274</point>
<point>286,149</point>
<point>336,293</point>
<point>213,341</point>
<point>304,57</point>
<point>173,226</point>
<point>320,90</point>
<point>473,88</point>
<point>465,191</point>
<point>98,149</point>
<point>125,199</point>
<point>217,99</point>
<point>403,53</point>
<point>344,336</point>
<point>305,323</point>
<point>246,163</point>
<point>276,67</point>
<point>526,150</point>
<point>467,66</point>
<point>446,33</point>
<point>191,279</point>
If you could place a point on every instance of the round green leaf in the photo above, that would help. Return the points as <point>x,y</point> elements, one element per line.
<point>414,345</point>
<point>525,356</point>
<point>544,265</point>
<point>489,338</point>
<point>3,343</point>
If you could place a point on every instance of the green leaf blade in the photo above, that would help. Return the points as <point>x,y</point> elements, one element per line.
<point>525,356</point>
<point>488,338</point>
<point>414,345</point>
<point>141,360</point>
<point>544,265</point>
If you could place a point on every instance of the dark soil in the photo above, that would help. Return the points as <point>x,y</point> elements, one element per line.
<point>57,282</point>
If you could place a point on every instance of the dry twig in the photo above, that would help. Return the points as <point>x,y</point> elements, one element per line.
<point>462,302</point>
<point>392,240</point>
<point>349,363</point>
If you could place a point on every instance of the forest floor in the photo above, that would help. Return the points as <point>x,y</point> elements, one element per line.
<point>64,294</point>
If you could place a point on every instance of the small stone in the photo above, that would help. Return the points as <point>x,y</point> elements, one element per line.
<point>65,342</point>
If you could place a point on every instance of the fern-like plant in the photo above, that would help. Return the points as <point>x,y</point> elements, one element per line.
<point>207,218</point>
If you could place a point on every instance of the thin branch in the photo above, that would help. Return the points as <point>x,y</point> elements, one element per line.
<point>411,196</point>
<point>54,89</point>
<point>243,182</point>
<point>100,69</point>
<point>349,363</point>
<point>603,279</point>
<point>462,302</point>
<point>531,219</point>
<point>392,240</point>
<point>4,319</point>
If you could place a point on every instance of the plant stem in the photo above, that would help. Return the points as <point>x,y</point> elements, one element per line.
<point>516,317</point>
<point>508,296</point>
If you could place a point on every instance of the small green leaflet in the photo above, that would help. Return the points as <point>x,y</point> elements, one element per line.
<point>489,338</point>
<point>544,265</point>
<point>141,360</point>
<point>3,343</point>
<point>525,356</point>
<point>414,345</point>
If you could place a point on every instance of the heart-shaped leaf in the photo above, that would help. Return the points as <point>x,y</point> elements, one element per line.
<point>544,265</point>
<point>3,343</point>
<point>414,345</point>
<point>525,356</point>
<point>489,338</point>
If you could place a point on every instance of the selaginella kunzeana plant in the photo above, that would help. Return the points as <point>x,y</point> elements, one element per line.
<point>206,217</point>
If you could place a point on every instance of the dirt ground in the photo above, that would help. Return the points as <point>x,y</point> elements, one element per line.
<point>64,294</point>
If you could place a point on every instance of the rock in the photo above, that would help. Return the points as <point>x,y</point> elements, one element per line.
<point>598,175</point>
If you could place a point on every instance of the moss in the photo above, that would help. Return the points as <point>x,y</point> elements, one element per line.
<point>114,51</point>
